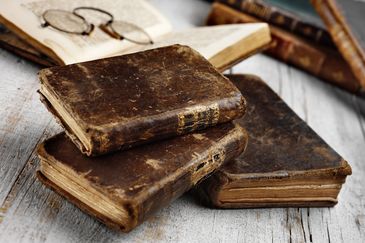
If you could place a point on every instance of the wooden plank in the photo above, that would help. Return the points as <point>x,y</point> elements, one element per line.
<point>22,117</point>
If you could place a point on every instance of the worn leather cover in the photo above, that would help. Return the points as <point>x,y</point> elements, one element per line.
<point>345,21</point>
<point>145,178</point>
<point>131,99</point>
<point>294,16</point>
<point>282,150</point>
<point>322,62</point>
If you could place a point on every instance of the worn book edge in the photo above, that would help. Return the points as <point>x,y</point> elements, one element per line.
<point>94,140</point>
<point>122,211</point>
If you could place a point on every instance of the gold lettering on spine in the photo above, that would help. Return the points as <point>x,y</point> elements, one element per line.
<point>197,117</point>
<point>208,164</point>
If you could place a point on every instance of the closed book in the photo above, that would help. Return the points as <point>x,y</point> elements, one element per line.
<point>285,163</point>
<point>124,188</point>
<point>322,62</point>
<point>345,22</point>
<point>112,104</point>
<point>297,16</point>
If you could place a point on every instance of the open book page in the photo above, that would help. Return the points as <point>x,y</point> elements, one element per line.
<point>26,15</point>
<point>211,41</point>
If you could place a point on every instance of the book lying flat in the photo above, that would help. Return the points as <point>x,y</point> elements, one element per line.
<point>222,45</point>
<point>124,188</point>
<point>319,60</point>
<point>345,22</point>
<point>298,17</point>
<point>285,164</point>
<point>111,104</point>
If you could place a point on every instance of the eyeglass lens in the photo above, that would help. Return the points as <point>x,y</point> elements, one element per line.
<point>65,21</point>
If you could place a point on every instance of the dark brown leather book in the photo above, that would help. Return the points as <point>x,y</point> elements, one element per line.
<point>124,188</point>
<point>114,103</point>
<point>314,59</point>
<point>345,21</point>
<point>285,164</point>
<point>294,16</point>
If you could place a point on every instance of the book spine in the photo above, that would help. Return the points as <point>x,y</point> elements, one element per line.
<point>281,18</point>
<point>330,14</point>
<point>170,124</point>
<point>225,150</point>
<point>295,51</point>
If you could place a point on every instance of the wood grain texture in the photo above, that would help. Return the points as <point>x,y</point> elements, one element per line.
<point>31,213</point>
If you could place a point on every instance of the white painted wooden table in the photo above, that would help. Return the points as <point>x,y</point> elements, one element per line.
<point>31,212</point>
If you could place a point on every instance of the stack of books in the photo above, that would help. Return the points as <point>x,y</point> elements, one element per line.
<point>156,120</point>
<point>328,45</point>
<point>142,129</point>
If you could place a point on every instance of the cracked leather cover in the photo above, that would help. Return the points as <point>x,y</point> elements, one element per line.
<point>281,147</point>
<point>131,99</point>
<point>145,178</point>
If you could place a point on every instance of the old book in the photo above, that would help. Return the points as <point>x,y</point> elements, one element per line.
<point>124,188</point>
<point>111,104</point>
<point>322,62</point>
<point>297,17</point>
<point>12,43</point>
<point>223,45</point>
<point>345,21</point>
<point>285,164</point>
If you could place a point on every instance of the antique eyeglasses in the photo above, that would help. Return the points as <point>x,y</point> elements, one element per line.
<point>74,23</point>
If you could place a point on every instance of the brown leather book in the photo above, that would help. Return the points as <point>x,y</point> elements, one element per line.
<point>285,163</point>
<point>345,21</point>
<point>111,104</point>
<point>294,16</point>
<point>316,60</point>
<point>124,188</point>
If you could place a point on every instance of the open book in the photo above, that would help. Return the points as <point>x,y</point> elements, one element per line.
<point>222,45</point>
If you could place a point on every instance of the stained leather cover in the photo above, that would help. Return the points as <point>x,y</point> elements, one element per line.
<point>282,149</point>
<point>145,178</point>
<point>315,59</point>
<point>130,99</point>
<point>345,22</point>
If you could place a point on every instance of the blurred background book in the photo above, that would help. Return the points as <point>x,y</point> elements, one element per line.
<point>303,38</point>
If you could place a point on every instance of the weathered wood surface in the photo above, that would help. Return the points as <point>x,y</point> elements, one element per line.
<point>31,213</point>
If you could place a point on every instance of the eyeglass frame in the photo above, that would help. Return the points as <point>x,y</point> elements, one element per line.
<point>90,26</point>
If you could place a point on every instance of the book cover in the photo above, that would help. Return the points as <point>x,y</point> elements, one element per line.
<point>112,104</point>
<point>285,163</point>
<point>124,188</point>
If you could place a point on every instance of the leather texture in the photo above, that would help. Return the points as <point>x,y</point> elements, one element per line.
<point>145,178</point>
<point>131,99</point>
<point>281,148</point>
